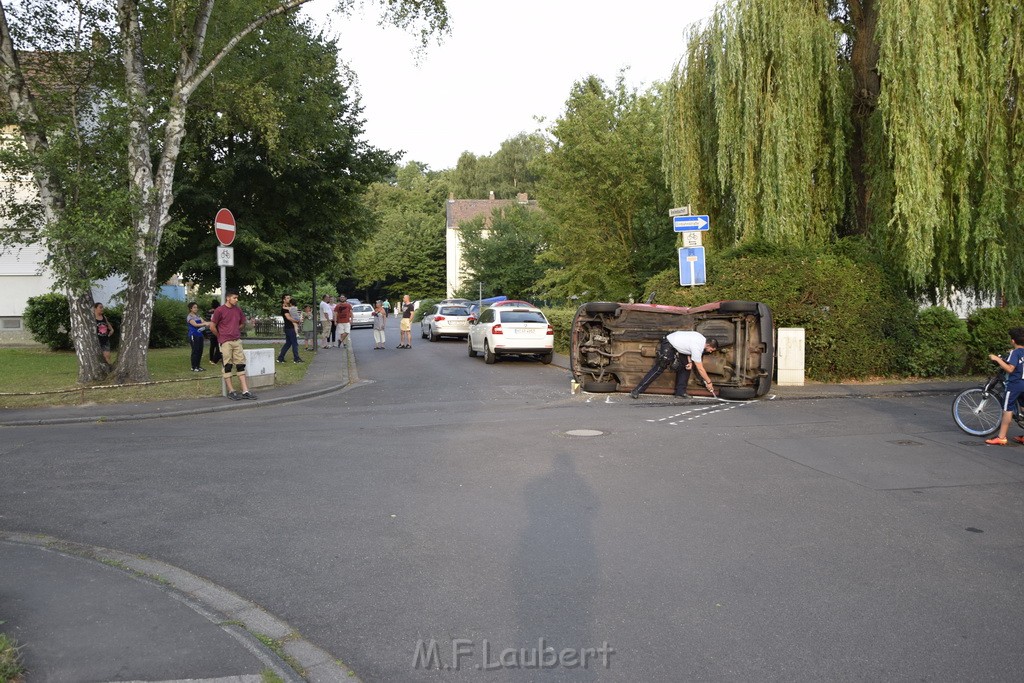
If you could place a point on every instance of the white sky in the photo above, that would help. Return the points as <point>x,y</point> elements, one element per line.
<point>506,63</point>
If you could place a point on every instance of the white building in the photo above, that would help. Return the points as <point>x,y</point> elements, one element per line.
<point>459,211</point>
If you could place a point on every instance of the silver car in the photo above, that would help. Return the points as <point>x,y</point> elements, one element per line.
<point>362,315</point>
<point>445,320</point>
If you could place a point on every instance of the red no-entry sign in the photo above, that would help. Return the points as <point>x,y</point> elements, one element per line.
<point>224,226</point>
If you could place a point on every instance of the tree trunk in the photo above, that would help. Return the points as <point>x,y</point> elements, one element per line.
<point>866,89</point>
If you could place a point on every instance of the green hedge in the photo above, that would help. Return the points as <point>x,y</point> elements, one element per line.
<point>941,343</point>
<point>857,321</point>
<point>988,330</point>
<point>561,322</point>
<point>48,318</point>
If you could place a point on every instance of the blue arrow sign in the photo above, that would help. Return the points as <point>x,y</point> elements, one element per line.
<point>692,270</point>
<point>689,223</point>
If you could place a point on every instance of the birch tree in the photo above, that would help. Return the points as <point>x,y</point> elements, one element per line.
<point>155,98</point>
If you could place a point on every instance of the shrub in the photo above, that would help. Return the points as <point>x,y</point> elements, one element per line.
<point>561,321</point>
<point>941,343</point>
<point>424,306</point>
<point>168,329</point>
<point>48,318</point>
<point>988,328</point>
<point>858,323</point>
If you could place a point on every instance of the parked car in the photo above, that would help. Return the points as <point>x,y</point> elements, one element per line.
<point>613,345</point>
<point>508,330</point>
<point>362,315</point>
<point>444,320</point>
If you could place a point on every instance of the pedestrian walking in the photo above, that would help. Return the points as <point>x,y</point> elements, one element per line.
<point>291,340</point>
<point>380,322</point>
<point>196,328</point>
<point>227,324</point>
<point>104,330</point>
<point>387,308</point>
<point>343,319</point>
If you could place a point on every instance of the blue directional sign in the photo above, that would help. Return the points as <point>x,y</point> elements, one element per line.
<point>689,223</point>
<point>691,267</point>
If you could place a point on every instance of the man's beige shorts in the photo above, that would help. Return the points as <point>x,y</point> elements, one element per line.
<point>405,325</point>
<point>233,353</point>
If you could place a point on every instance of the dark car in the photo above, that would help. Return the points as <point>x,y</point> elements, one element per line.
<point>613,346</point>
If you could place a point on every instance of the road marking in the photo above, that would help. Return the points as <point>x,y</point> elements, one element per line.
<point>699,412</point>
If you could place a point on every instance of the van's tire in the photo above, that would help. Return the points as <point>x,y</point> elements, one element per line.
<point>600,307</point>
<point>599,387</point>
<point>546,358</point>
<point>737,393</point>
<point>738,307</point>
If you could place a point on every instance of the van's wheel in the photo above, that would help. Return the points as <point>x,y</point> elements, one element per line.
<point>489,356</point>
<point>738,307</point>
<point>469,345</point>
<point>736,393</point>
<point>600,307</point>
<point>546,358</point>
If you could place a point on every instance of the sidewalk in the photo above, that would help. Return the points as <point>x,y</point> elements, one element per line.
<point>81,613</point>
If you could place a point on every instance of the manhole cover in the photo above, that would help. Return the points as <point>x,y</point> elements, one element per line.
<point>584,432</point>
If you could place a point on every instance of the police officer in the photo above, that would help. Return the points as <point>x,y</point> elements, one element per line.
<point>680,350</point>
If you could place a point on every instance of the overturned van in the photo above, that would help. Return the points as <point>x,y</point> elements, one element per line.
<point>613,345</point>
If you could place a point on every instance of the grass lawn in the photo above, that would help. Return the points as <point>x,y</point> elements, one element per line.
<point>29,371</point>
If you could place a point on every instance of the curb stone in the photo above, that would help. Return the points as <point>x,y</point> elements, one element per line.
<point>235,615</point>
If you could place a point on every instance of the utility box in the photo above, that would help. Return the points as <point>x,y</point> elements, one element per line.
<point>790,365</point>
<point>260,367</point>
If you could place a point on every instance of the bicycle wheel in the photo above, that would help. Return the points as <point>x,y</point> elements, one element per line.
<point>978,412</point>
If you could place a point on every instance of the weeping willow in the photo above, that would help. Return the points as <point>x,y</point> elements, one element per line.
<point>950,207</point>
<point>757,125</point>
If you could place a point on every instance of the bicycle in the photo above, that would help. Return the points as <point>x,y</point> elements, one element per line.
<point>979,411</point>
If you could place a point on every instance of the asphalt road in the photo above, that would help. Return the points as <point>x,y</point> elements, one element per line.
<point>442,500</point>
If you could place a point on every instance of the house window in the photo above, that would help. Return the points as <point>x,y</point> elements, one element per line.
<point>10,323</point>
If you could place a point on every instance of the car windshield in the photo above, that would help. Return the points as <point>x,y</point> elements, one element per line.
<point>362,308</point>
<point>522,317</point>
<point>454,310</point>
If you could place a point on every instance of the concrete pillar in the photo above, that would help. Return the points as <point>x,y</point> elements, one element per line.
<point>790,364</point>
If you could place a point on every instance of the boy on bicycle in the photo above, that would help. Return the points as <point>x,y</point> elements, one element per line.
<point>1014,366</point>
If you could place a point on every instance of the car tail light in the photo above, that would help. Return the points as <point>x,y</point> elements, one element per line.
<point>496,329</point>
<point>551,330</point>
<point>438,318</point>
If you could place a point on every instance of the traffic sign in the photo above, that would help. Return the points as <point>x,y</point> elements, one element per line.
<point>692,269</point>
<point>687,223</point>
<point>224,226</point>
<point>679,211</point>
<point>692,239</point>
<point>226,256</point>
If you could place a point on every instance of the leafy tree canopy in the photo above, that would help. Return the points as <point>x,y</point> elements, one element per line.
<point>603,186</point>
<point>501,251</point>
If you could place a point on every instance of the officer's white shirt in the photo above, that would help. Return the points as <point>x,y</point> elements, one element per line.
<point>689,342</point>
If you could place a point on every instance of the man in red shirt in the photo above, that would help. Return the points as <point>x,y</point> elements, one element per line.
<point>343,319</point>
<point>227,324</point>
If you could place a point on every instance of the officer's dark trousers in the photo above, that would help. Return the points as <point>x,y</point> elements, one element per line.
<point>667,357</point>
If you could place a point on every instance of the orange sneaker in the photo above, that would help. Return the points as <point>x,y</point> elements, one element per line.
<point>995,441</point>
<point>1019,439</point>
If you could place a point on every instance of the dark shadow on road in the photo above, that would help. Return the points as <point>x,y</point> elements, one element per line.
<point>555,570</point>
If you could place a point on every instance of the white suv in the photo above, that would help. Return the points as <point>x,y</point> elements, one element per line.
<point>508,330</point>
